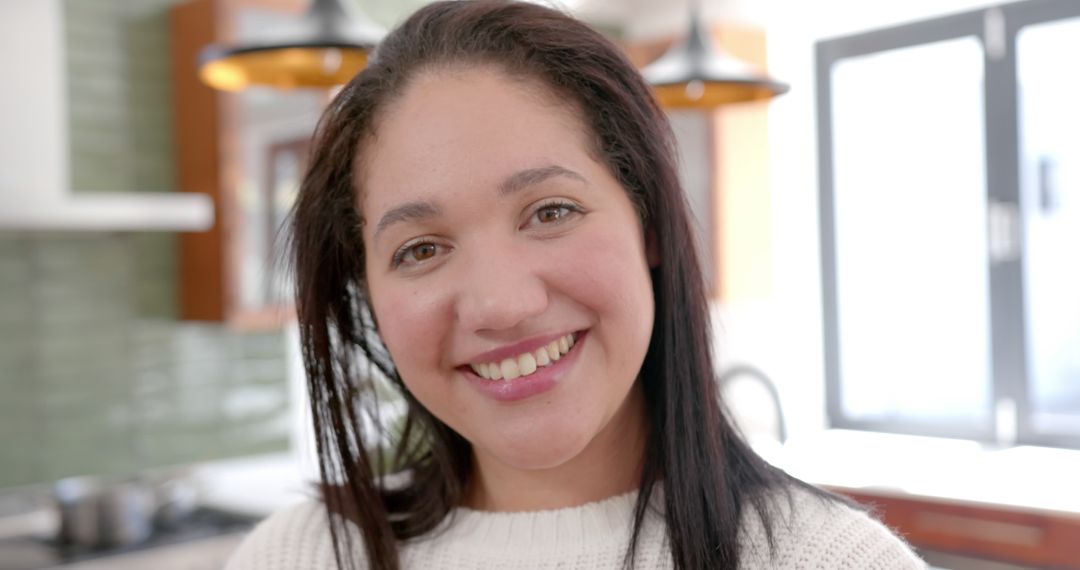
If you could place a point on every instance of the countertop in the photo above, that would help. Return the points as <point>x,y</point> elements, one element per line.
<point>1022,478</point>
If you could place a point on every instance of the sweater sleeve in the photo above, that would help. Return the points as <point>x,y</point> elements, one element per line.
<point>297,538</point>
<point>860,541</point>
<point>816,533</point>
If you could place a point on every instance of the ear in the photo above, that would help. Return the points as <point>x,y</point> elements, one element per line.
<point>652,249</point>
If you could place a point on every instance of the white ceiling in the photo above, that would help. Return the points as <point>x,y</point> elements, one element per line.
<point>638,19</point>
<point>651,18</point>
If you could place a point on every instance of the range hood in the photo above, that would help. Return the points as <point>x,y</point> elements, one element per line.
<point>35,188</point>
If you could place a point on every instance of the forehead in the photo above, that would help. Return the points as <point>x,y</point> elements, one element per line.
<point>465,128</point>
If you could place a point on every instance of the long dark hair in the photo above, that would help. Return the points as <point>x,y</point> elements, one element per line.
<point>709,475</point>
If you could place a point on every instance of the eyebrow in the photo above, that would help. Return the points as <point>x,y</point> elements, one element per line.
<point>424,209</point>
<point>407,212</point>
<point>532,176</point>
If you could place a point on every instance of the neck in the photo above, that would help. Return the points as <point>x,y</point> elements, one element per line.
<point>610,465</point>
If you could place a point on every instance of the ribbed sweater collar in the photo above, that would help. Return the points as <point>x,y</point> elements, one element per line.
<point>568,529</point>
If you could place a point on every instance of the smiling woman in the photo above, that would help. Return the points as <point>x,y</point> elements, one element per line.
<point>492,219</point>
<point>523,239</point>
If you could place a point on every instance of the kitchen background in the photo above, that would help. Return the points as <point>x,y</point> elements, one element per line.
<point>109,369</point>
<point>99,375</point>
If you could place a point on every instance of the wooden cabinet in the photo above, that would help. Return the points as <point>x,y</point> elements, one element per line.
<point>247,151</point>
<point>1040,539</point>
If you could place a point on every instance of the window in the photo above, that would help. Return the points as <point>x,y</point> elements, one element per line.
<point>950,225</point>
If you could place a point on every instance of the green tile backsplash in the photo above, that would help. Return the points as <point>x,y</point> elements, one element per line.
<point>93,385</point>
<point>97,375</point>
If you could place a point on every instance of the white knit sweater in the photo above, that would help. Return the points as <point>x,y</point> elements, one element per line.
<point>814,534</point>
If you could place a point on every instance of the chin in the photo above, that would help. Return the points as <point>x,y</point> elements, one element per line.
<point>539,450</point>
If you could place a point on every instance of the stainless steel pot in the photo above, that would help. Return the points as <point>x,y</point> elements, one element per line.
<point>95,514</point>
<point>76,499</point>
<point>126,513</point>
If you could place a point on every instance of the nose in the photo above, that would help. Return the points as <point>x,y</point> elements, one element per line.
<point>500,288</point>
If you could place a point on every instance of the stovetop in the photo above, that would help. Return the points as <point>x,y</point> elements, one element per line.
<point>35,553</point>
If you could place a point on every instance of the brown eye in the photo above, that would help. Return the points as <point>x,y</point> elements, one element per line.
<point>553,214</point>
<point>416,253</point>
<point>550,214</point>
<point>423,251</point>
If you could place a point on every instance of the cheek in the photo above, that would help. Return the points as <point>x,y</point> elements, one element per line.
<point>606,271</point>
<point>410,327</point>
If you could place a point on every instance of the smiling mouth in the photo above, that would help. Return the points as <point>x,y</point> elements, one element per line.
<point>526,363</point>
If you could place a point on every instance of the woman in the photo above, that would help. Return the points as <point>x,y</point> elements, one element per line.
<point>492,222</point>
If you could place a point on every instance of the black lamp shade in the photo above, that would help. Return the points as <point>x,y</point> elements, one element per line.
<point>695,74</point>
<point>327,47</point>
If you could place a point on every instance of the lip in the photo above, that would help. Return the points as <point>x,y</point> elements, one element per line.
<point>514,350</point>
<point>543,380</point>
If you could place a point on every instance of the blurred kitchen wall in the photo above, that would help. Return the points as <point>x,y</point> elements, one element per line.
<point>97,375</point>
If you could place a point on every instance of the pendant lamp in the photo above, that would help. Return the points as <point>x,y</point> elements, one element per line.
<point>327,47</point>
<point>695,74</point>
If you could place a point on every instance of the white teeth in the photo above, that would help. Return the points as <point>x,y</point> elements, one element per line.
<point>509,369</point>
<point>541,356</point>
<point>525,364</point>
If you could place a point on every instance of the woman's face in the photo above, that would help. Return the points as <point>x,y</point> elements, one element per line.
<point>492,235</point>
